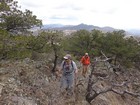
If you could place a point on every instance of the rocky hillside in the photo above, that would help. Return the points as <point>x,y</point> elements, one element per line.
<point>29,82</point>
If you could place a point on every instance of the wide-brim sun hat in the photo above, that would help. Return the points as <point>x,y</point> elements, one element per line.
<point>67,56</point>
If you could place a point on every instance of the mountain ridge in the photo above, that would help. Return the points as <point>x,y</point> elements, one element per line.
<point>77,27</point>
<point>87,27</point>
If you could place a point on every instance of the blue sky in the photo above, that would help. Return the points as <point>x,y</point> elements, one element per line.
<point>120,14</point>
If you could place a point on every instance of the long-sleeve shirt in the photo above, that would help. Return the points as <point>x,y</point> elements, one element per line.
<point>85,60</point>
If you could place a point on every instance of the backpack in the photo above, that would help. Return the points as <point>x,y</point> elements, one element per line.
<point>71,65</point>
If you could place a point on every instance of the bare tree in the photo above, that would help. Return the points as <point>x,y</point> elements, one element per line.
<point>105,77</point>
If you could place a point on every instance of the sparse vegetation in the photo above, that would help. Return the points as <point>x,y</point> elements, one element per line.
<point>28,63</point>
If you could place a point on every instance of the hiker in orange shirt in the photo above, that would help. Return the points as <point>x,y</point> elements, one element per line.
<point>85,61</point>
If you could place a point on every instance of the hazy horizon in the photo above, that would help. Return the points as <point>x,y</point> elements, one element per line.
<point>119,14</point>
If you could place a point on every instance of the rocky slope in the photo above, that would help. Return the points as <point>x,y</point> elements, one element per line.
<point>30,82</point>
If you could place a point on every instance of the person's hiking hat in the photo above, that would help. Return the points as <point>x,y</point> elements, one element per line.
<point>86,53</point>
<point>67,56</point>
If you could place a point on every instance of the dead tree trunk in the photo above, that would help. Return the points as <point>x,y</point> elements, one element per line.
<point>111,83</point>
<point>90,97</point>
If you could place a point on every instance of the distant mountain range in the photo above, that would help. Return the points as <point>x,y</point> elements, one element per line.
<point>134,32</point>
<point>86,27</point>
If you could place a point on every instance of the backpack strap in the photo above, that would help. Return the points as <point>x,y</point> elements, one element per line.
<point>68,72</point>
<point>72,64</point>
<point>65,63</point>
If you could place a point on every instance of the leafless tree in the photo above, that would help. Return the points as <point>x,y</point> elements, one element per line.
<point>105,77</point>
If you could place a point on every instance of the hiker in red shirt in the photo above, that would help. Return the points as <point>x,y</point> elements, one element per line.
<point>85,61</point>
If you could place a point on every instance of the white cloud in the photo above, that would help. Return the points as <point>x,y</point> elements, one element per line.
<point>123,14</point>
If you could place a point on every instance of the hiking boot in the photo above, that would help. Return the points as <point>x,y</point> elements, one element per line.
<point>84,75</point>
<point>69,92</point>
